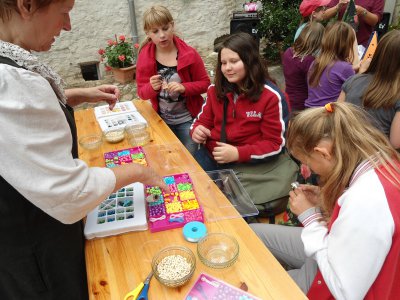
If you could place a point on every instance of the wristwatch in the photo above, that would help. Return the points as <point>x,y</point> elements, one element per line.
<point>365,12</point>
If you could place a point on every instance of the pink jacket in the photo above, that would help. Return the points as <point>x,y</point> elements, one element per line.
<point>190,69</point>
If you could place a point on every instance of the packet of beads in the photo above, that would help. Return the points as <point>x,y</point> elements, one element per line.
<point>173,209</point>
<point>125,156</point>
<point>208,287</point>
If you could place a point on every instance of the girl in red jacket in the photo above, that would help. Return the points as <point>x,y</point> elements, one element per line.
<point>171,74</point>
<point>243,122</point>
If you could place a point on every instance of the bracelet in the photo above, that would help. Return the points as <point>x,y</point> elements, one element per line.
<point>365,12</point>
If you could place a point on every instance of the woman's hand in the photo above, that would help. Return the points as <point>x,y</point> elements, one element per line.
<point>299,202</point>
<point>156,82</point>
<point>106,92</point>
<point>200,134</point>
<point>225,153</point>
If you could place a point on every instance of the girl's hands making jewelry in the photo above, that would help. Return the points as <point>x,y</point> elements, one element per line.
<point>156,82</point>
<point>200,134</point>
<point>225,153</point>
<point>298,201</point>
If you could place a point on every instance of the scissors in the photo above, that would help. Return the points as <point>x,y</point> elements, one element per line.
<point>141,291</point>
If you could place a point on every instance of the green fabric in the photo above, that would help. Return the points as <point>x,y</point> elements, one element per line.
<point>268,181</point>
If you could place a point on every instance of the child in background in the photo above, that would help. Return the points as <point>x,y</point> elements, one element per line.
<point>349,247</point>
<point>171,74</point>
<point>243,121</point>
<point>333,65</point>
<point>296,62</point>
<point>311,11</point>
<point>378,89</point>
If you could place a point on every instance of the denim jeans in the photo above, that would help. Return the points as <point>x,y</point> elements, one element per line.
<point>182,133</point>
<point>204,159</point>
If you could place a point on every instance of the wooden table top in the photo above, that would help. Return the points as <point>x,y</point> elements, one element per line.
<point>117,264</point>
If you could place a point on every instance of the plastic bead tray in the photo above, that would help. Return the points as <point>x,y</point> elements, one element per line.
<point>125,156</point>
<point>121,212</point>
<point>174,210</point>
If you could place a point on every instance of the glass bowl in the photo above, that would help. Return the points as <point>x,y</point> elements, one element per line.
<point>218,250</point>
<point>115,135</point>
<point>174,266</point>
<point>91,141</point>
<point>138,134</point>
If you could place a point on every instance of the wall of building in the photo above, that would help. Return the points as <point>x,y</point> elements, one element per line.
<point>95,22</point>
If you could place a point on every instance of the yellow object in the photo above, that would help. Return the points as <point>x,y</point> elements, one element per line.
<point>141,291</point>
<point>369,52</point>
<point>135,293</point>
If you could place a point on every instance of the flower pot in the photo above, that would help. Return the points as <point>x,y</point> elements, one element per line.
<point>124,75</point>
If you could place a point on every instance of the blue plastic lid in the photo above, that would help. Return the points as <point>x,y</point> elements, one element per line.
<point>194,231</point>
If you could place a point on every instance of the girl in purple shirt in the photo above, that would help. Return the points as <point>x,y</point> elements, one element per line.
<point>296,62</point>
<point>333,66</point>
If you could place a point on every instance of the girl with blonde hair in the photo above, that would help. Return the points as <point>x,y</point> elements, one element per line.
<point>378,89</point>
<point>333,65</point>
<point>171,74</point>
<point>296,62</point>
<point>349,245</point>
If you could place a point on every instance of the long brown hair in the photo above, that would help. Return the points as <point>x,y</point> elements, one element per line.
<point>354,139</point>
<point>7,6</point>
<point>384,89</point>
<point>337,45</point>
<point>309,40</point>
<point>246,47</point>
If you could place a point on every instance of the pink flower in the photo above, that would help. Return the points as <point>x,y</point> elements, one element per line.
<point>136,46</point>
<point>121,57</point>
<point>305,171</point>
<point>107,68</point>
<point>122,38</point>
<point>115,43</point>
<point>110,42</point>
<point>101,51</point>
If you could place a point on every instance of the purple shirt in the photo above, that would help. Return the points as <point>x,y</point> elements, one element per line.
<point>295,72</point>
<point>330,84</point>
<point>364,30</point>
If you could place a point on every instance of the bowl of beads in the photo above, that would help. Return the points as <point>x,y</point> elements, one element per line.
<point>91,141</point>
<point>218,250</point>
<point>174,266</point>
<point>114,135</point>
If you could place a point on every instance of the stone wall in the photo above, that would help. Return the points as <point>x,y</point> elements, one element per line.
<point>94,22</point>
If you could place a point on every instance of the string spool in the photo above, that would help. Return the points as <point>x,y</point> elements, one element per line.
<point>194,231</point>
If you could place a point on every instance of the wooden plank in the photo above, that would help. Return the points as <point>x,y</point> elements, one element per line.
<point>117,264</point>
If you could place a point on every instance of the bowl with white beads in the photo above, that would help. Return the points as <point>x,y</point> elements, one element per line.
<point>173,266</point>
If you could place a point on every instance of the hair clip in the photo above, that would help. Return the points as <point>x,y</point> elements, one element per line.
<point>329,107</point>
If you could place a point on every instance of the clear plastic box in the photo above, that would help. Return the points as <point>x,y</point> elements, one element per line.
<point>230,186</point>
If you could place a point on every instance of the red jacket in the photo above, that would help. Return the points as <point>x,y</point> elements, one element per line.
<point>190,69</point>
<point>257,129</point>
<point>386,286</point>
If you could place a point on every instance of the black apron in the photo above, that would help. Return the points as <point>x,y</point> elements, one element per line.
<point>40,258</point>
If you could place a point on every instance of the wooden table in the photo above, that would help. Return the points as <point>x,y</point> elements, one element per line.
<point>118,264</point>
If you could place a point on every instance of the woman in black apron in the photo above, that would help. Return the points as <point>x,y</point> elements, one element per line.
<point>45,190</point>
